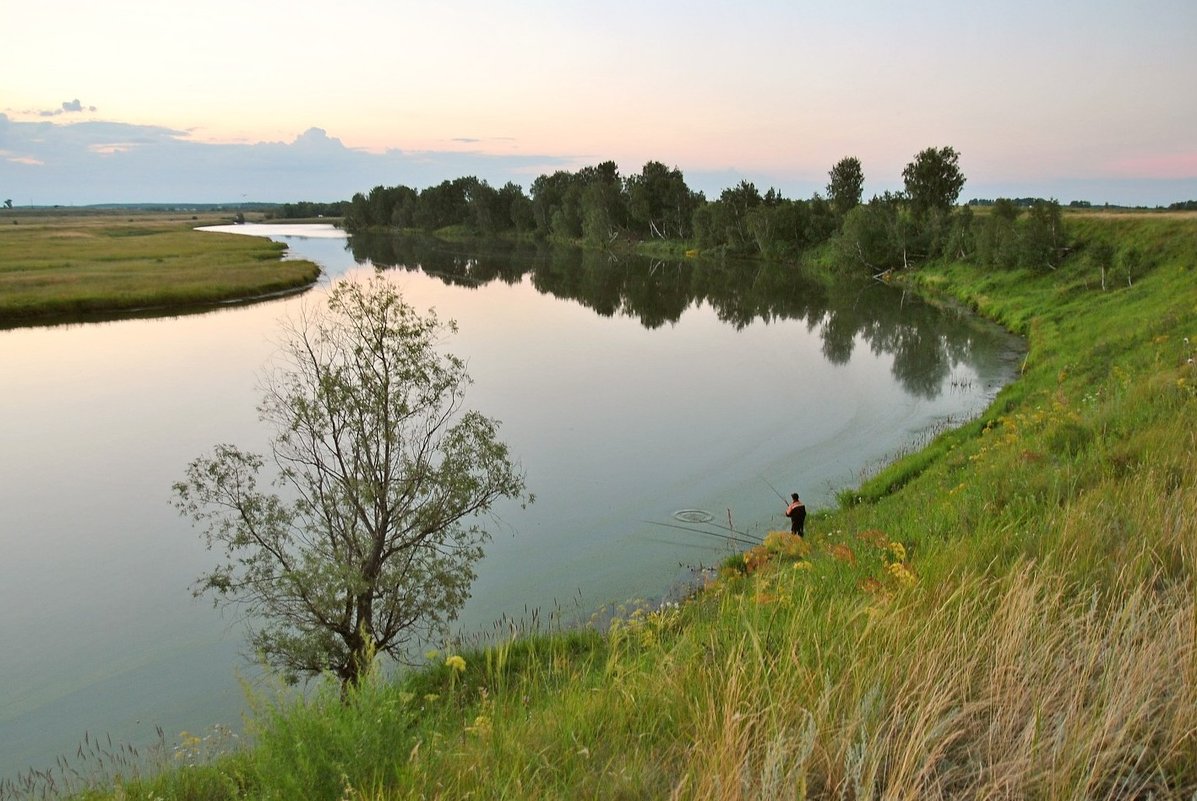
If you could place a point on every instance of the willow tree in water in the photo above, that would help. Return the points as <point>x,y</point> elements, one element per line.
<point>380,480</point>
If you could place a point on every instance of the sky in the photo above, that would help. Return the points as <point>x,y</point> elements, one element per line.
<point>129,101</point>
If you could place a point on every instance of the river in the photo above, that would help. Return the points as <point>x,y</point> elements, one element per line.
<point>629,389</point>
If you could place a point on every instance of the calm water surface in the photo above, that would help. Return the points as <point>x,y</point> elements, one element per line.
<point>629,390</point>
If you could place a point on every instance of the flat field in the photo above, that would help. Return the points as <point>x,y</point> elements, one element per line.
<point>64,266</point>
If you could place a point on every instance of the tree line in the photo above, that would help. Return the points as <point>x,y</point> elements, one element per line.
<point>307,209</point>
<point>598,207</point>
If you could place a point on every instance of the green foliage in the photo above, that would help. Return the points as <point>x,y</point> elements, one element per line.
<point>660,204</point>
<point>514,205</point>
<point>896,231</point>
<point>1101,257</point>
<point>734,206</point>
<point>321,747</point>
<point>372,547</point>
<point>933,180</point>
<point>603,210</point>
<point>997,237</point>
<point>1008,239</point>
<point>735,563</point>
<point>1042,240</point>
<point>1069,438</point>
<point>596,207</point>
<point>307,210</point>
<point>845,185</point>
<point>961,239</point>
<point>465,201</point>
<point>881,235</point>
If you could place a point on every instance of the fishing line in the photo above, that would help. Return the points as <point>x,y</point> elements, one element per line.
<point>725,537</point>
<point>754,540</point>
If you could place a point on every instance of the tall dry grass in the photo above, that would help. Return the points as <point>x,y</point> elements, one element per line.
<point>1016,688</point>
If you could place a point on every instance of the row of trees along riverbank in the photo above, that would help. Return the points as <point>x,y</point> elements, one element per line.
<point>599,208</point>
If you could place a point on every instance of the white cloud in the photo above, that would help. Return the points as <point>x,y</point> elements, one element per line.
<point>108,162</point>
<point>26,160</point>
<point>67,107</point>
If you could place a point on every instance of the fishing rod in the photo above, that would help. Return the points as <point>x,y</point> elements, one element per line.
<point>770,486</point>
<point>724,537</point>
<point>733,530</point>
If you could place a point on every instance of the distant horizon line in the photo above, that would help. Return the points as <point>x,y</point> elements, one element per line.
<point>264,204</point>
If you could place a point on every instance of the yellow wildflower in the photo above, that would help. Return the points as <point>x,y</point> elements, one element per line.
<point>481,727</point>
<point>903,575</point>
<point>457,663</point>
<point>898,550</point>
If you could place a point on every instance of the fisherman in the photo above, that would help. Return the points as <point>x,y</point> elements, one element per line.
<point>796,511</point>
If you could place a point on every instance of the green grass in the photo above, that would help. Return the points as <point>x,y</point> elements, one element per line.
<point>1006,613</point>
<point>66,267</point>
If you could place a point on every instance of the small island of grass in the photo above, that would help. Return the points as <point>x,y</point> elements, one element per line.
<point>64,267</point>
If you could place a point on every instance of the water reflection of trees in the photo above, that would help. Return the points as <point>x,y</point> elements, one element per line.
<point>925,342</point>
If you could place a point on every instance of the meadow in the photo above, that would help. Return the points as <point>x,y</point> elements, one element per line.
<point>64,267</point>
<point>1007,613</point>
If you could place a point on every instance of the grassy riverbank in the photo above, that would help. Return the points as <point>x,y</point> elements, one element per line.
<point>1007,613</point>
<point>63,267</point>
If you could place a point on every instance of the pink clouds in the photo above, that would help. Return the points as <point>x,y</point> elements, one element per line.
<point>1157,165</point>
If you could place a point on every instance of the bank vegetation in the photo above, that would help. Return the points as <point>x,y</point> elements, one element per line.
<point>60,267</point>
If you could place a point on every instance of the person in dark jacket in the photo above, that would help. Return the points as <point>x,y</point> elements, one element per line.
<point>796,511</point>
